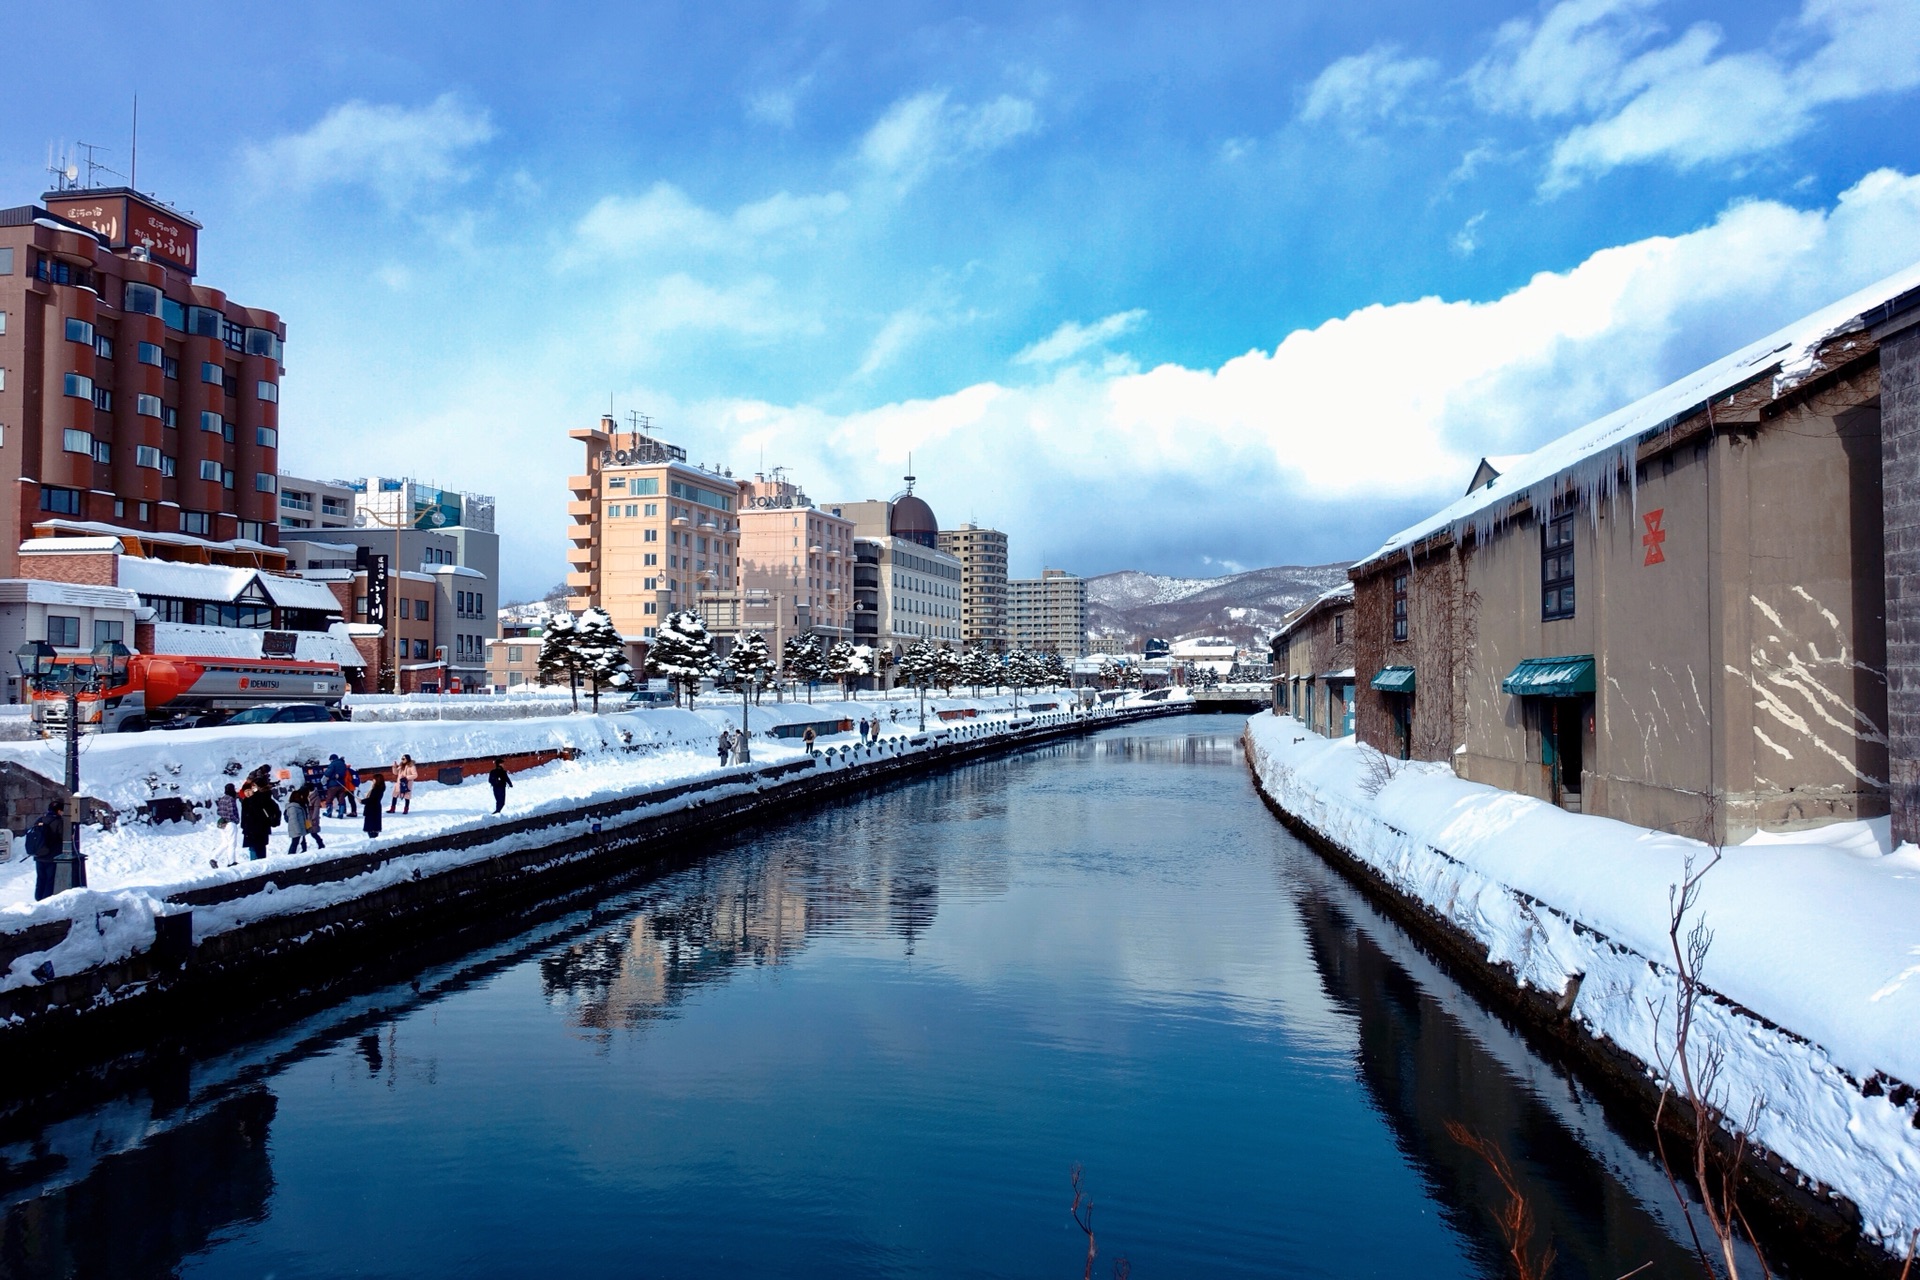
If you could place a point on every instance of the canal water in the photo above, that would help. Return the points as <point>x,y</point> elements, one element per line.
<point>877,1041</point>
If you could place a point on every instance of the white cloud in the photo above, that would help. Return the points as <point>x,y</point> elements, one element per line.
<point>391,149</point>
<point>1391,403</point>
<point>667,219</point>
<point>1467,239</point>
<point>1368,87</point>
<point>1685,101</point>
<point>902,330</point>
<point>920,132</point>
<point>1072,338</point>
<point>772,106</point>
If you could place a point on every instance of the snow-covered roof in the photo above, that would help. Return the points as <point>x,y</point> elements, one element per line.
<point>171,578</point>
<point>35,591</point>
<point>1343,592</point>
<point>457,570</point>
<point>332,645</point>
<point>148,535</point>
<point>364,628</point>
<point>299,593</point>
<point>1591,458</point>
<point>348,547</point>
<point>66,546</point>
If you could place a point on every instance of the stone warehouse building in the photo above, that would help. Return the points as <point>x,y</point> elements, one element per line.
<point>1685,614</point>
<point>1313,664</point>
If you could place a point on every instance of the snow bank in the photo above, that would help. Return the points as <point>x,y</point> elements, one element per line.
<point>1817,934</point>
<point>135,866</point>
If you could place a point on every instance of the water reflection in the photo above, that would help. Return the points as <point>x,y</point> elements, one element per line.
<point>1101,950</point>
<point>139,1212</point>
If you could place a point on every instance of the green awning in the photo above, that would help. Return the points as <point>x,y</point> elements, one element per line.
<point>1394,680</point>
<point>1551,677</point>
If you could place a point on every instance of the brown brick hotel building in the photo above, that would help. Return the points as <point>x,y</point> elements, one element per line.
<point>130,395</point>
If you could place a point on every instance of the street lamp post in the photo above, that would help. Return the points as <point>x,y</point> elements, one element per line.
<point>97,672</point>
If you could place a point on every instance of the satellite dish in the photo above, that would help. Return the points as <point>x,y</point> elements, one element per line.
<point>73,173</point>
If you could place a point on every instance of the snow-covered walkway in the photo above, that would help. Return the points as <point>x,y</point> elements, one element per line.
<point>1817,933</point>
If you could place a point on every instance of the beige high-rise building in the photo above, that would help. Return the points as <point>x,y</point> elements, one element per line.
<point>983,584</point>
<point>651,532</point>
<point>796,564</point>
<point>1048,614</point>
<point>905,588</point>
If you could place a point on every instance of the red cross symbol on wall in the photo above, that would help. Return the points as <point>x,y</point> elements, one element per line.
<point>1653,537</point>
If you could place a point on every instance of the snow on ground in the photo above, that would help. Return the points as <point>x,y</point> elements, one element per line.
<point>1817,932</point>
<point>132,868</point>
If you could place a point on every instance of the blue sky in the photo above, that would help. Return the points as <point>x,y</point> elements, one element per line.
<point>1179,287</point>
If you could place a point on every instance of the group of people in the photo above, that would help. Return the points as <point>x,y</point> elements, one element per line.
<point>732,747</point>
<point>249,812</point>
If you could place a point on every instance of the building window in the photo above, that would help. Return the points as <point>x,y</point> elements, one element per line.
<point>226,477</point>
<point>103,346</point>
<point>167,465</point>
<point>79,331</point>
<point>149,353</point>
<point>650,509</point>
<point>263,482</point>
<point>226,431</point>
<point>210,373</point>
<point>652,558</point>
<point>105,632</point>
<point>360,605</point>
<point>147,406</point>
<point>651,535</point>
<point>102,451</point>
<point>419,648</point>
<point>76,441</point>
<point>146,455</point>
<point>63,633</point>
<point>6,262</point>
<point>196,522</point>
<point>1339,628</point>
<point>210,421</point>
<point>648,608</point>
<point>256,531</point>
<point>169,416</point>
<point>419,610</point>
<point>1399,606</point>
<point>617,482</point>
<point>406,607</point>
<point>266,438</point>
<point>170,367</point>
<point>64,502</point>
<point>203,322</point>
<point>210,470</point>
<point>141,300</point>
<point>1556,564</point>
<point>142,509</point>
<point>269,391</point>
<point>103,399</point>
<point>79,386</point>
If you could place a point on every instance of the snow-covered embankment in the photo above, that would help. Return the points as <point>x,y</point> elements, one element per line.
<point>1815,958</point>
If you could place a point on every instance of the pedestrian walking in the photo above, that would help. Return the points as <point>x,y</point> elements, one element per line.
<point>46,845</point>
<point>297,818</point>
<point>353,791</point>
<point>314,809</point>
<point>806,740</point>
<point>740,747</point>
<point>370,822</point>
<point>259,815</point>
<point>405,774</point>
<point>498,779</point>
<point>333,798</point>
<point>226,809</point>
<point>726,746</point>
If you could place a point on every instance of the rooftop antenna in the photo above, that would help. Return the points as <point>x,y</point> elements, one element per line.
<point>93,165</point>
<point>133,152</point>
<point>910,475</point>
<point>640,422</point>
<point>65,174</point>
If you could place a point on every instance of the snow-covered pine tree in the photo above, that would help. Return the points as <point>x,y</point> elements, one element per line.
<point>977,668</point>
<point>840,664</point>
<point>918,667</point>
<point>603,654</point>
<point>559,661</point>
<point>682,653</point>
<point>801,659</point>
<point>753,661</point>
<point>1056,669</point>
<point>946,668</point>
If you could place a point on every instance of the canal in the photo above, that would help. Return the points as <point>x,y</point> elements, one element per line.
<point>875,1042</point>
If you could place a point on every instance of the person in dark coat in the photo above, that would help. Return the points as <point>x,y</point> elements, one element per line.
<point>498,779</point>
<point>726,746</point>
<point>49,846</point>
<point>370,821</point>
<point>259,815</point>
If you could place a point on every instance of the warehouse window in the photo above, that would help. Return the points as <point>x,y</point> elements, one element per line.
<point>1556,564</point>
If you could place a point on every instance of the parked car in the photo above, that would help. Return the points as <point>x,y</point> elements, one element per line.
<point>277,713</point>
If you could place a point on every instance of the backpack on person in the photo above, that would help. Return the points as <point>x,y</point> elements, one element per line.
<point>35,839</point>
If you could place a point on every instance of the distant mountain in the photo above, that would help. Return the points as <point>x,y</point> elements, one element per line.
<point>1247,607</point>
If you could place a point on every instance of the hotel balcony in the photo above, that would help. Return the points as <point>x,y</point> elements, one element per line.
<point>580,531</point>
<point>580,509</point>
<point>580,581</point>
<point>581,557</point>
<point>580,484</point>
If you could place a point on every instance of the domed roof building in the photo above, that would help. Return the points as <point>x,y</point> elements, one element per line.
<point>910,518</point>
